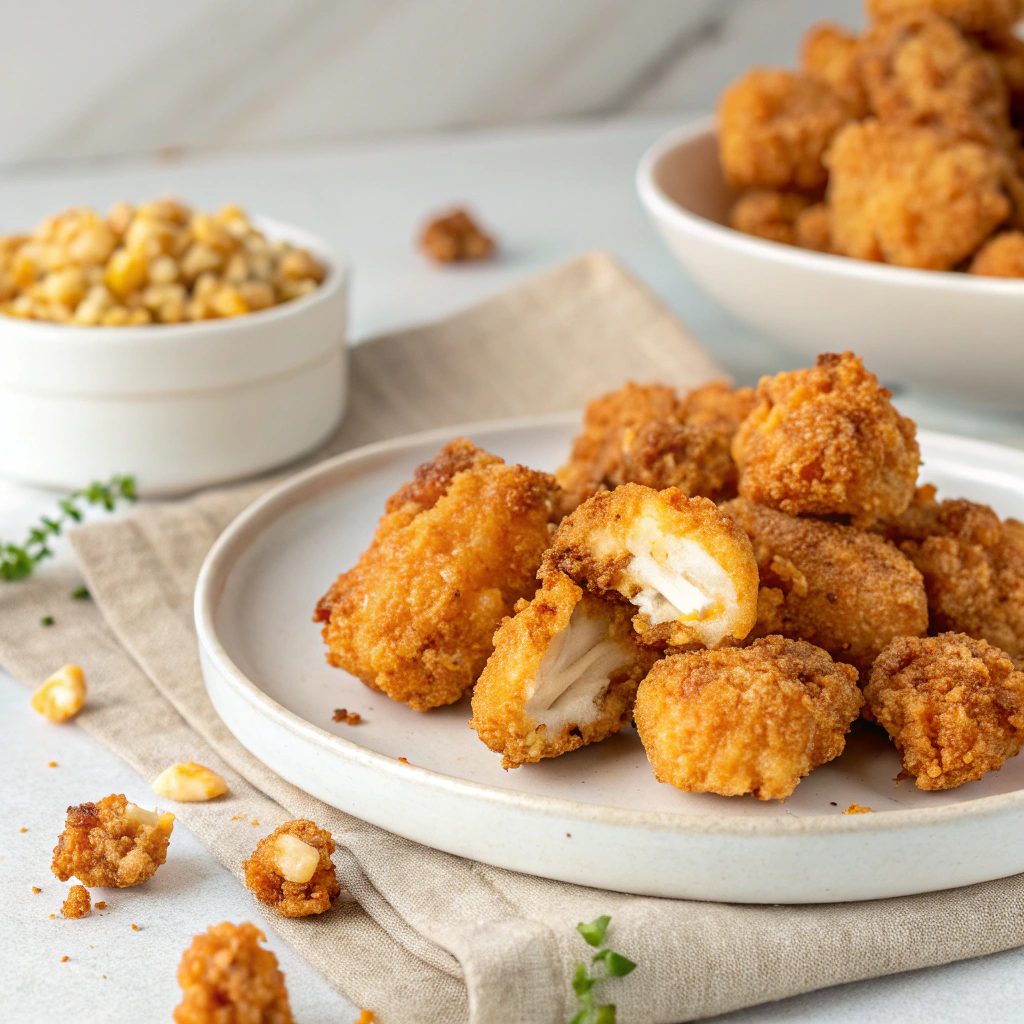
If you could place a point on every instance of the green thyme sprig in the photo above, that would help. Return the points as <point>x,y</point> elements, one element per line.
<point>615,966</point>
<point>17,562</point>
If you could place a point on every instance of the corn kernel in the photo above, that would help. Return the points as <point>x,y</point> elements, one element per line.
<point>67,286</point>
<point>125,273</point>
<point>189,782</point>
<point>62,695</point>
<point>257,294</point>
<point>294,860</point>
<point>164,270</point>
<point>228,301</point>
<point>297,263</point>
<point>116,316</point>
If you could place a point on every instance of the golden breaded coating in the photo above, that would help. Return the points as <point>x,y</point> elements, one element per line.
<point>922,70</point>
<point>768,213</point>
<point>814,228</point>
<point>78,903</point>
<point>973,567</point>
<point>773,128</point>
<point>227,977</point>
<point>827,441</point>
<point>832,53</point>
<point>455,550</point>
<point>1008,52</point>
<point>563,674</point>
<point>291,869</point>
<point>685,565</point>
<point>1001,256</point>
<point>970,15</point>
<point>112,842</point>
<point>954,707</point>
<point>913,196</point>
<point>842,589</point>
<point>746,720</point>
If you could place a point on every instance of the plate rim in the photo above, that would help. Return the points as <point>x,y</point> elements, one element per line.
<point>243,530</point>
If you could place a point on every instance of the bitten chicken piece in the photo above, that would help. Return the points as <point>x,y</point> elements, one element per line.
<point>687,567</point>
<point>970,15</point>
<point>563,674</point>
<point>112,842</point>
<point>840,588</point>
<point>914,196</point>
<point>832,53</point>
<point>746,720</point>
<point>954,707</point>
<point>455,550</point>
<point>227,977</point>
<point>973,567</point>
<point>827,441</point>
<point>1002,256</point>
<point>773,127</point>
<point>291,869</point>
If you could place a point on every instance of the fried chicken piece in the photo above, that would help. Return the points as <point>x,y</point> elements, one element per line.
<point>456,238</point>
<point>456,548</point>
<point>842,589</point>
<point>746,720</point>
<point>969,15</point>
<point>973,567</point>
<point>832,53</point>
<point>814,228</point>
<point>227,977</point>
<point>1008,52</point>
<point>685,565</point>
<point>768,213</point>
<point>112,842</point>
<point>78,903</point>
<point>922,70</point>
<point>563,674</point>
<point>954,707</point>
<point>291,869</point>
<point>827,441</point>
<point>773,127</point>
<point>1001,256</point>
<point>913,196</point>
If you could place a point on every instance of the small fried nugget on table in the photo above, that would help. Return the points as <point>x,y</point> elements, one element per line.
<point>842,589</point>
<point>970,15</point>
<point>78,902</point>
<point>563,674</point>
<point>973,567</point>
<point>686,566</point>
<point>746,720</point>
<point>291,869</point>
<point>954,707</point>
<point>112,842</point>
<point>827,441</point>
<point>227,977</point>
<point>774,127</point>
<point>914,196</point>
<point>455,550</point>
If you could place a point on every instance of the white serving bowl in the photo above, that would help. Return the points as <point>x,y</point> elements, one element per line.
<point>180,406</point>
<point>950,333</point>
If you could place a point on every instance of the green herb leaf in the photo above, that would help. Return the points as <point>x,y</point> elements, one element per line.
<point>593,933</point>
<point>46,620</point>
<point>605,1014</point>
<point>81,594</point>
<point>581,984</point>
<point>615,963</point>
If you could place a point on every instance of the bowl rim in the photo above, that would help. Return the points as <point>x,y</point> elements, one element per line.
<point>662,207</point>
<point>339,270</point>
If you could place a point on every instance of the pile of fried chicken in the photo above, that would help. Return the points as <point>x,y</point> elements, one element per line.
<point>742,573</point>
<point>901,145</point>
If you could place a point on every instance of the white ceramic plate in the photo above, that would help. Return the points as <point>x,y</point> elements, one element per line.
<point>596,816</point>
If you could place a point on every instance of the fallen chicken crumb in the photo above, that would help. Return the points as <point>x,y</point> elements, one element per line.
<point>291,869</point>
<point>64,959</point>
<point>456,238</point>
<point>100,905</point>
<point>51,764</point>
<point>366,1017</point>
<point>255,821</point>
<point>22,829</point>
<point>404,760</point>
<point>36,889</point>
<point>78,902</point>
<point>349,718</point>
<point>857,809</point>
<point>52,916</point>
<point>237,817</point>
<point>135,927</point>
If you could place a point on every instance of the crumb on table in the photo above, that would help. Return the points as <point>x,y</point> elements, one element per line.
<point>455,238</point>
<point>857,809</point>
<point>404,760</point>
<point>78,902</point>
<point>51,764</point>
<point>349,718</point>
<point>366,1017</point>
<point>64,959</point>
<point>135,927</point>
<point>36,889</point>
<point>100,905</point>
<point>23,829</point>
<point>291,869</point>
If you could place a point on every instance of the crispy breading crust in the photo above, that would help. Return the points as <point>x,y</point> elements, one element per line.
<point>914,196</point>
<point>1001,256</point>
<point>827,441</point>
<point>746,720</point>
<point>293,899</point>
<point>227,977</point>
<point>768,213</point>
<point>500,700</point>
<point>973,567</point>
<point>842,589</point>
<point>455,550</point>
<point>590,548</point>
<point>954,707</point>
<point>814,228</point>
<point>773,127</point>
<point>102,845</point>
<point>970,15</point>
<point>830,52</point>
<point>78,902</point>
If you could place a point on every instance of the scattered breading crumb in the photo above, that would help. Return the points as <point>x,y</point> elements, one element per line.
<point>101,905</point>
<point>52,916</point>
<point>78,902</point>
<point>568,835</point>
<point>455,238</point>
<point>135,927</point>
<point>833,803</point>
<point>291,869</point>
<point>63,959</point>
<point>857,809</point>
<point>36,889</point>
<point>343,715</point>
<point>366,1017</point>
<point>22,829</point>
<point>255,821</point>
<point>404,760</point>
<point>51,764</point>
<point>237,817</point>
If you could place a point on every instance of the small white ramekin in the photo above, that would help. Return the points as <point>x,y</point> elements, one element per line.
<point>179,406</point>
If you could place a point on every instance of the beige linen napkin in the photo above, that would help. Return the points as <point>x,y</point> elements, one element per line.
<point>423,936</point>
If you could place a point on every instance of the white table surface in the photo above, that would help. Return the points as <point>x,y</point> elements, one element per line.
<point>549,194</point>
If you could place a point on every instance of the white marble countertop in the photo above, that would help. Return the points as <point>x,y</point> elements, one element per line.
<point>548,194</point>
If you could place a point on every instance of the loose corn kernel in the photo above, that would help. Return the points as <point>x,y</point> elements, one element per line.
<point>62,695</point>
<point>294,860</point>
<point>189,782</point>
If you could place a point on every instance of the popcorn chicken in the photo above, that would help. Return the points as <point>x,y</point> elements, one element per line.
<point>188,782</point>
<point>455,238</point>
<point>227,977</point>
<point>970,15</point>
<point>112,842</point>
<point>291,870</point>
<point>78,903</point>
<point>768,213</point>
<point>1000,256</point>
<point>832,53</point>
<point>62,695</point>
<point>814,228</point>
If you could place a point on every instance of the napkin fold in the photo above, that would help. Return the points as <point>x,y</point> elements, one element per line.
<point>419,936</point>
